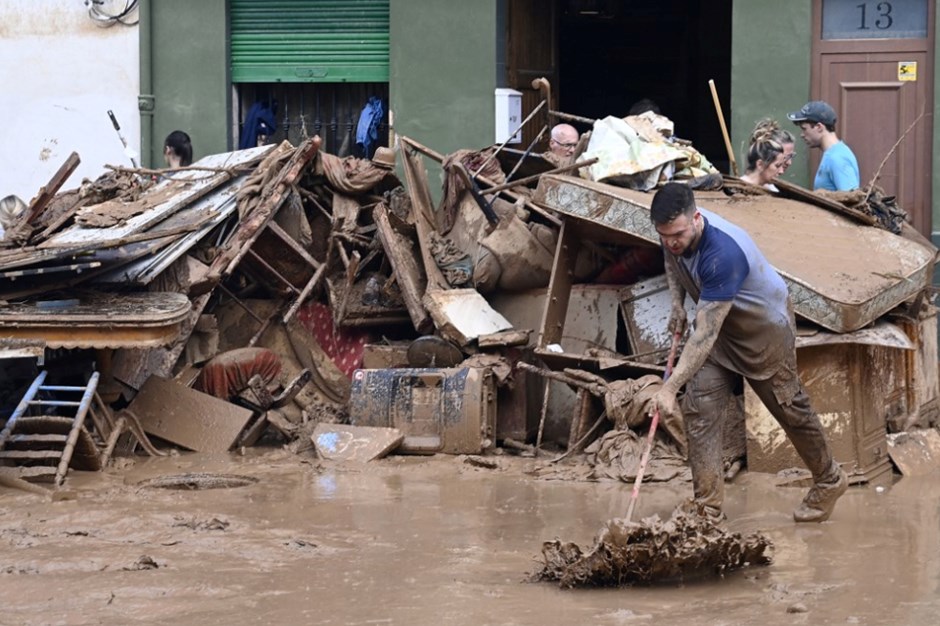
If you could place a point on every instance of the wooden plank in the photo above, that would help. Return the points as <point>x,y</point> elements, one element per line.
<point>36,471</point>
<point>506,338</point>
<point>31,441</point>
<point>162,200</point>
<point>251,226</point>
<point>339,442</point>
<point>416,177</point>
<point>21,232</point>
<point>401,254</point>
<point>188,418</point>
<point>345,212</point>
<point>47,193</point>
<point>559,288</point>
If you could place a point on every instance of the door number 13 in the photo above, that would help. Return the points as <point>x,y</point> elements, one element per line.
<point>882,14</point>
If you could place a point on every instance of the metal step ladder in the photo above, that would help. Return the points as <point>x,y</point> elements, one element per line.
<point>41,435</point>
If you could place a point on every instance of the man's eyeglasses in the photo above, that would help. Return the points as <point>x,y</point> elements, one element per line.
<point>565,145</point>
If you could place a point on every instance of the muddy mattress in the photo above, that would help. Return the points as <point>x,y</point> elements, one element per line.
<point>842,275</point>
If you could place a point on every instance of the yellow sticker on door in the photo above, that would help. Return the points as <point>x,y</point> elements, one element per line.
<point>907,70</point>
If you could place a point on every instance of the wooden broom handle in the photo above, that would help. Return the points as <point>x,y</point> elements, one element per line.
<point>724,129</point>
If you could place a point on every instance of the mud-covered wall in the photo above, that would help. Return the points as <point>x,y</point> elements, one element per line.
<point>771,58</point>
<point>60,74</point>
<point>443,63</point>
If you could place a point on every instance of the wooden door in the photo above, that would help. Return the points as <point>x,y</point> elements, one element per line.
<point>865,56</point>
<point>531,52</point>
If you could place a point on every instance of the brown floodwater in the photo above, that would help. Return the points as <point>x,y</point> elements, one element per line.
<point>433,540</point>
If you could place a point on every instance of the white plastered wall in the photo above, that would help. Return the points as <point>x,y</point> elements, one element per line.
<point>60,73</point>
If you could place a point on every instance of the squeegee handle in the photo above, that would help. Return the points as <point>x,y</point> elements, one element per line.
<point>641,470</point>
<point>676,337</point>
<point>114,121</point>
<point>634,496</point>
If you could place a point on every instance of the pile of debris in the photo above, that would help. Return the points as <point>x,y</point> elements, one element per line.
<point>686,546</point>
<point>278,290</point>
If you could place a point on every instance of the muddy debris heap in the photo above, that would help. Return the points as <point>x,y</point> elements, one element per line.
<point>286,294</point>
<point>681,548</point>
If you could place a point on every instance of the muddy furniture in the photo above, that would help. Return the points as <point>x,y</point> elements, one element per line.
<point>259,398</point>
<point>438,410</point>
<point>188,418</point>
<point>97,320</point>
<point>841,275</point>
<point>574,231</point>
<point>549,348</point>
<point>858,383</point>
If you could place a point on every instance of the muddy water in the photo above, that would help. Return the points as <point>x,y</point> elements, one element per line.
<point>433,541</point>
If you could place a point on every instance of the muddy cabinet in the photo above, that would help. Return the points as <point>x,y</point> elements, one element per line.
<point>438,410</point>
<point>856,390</point>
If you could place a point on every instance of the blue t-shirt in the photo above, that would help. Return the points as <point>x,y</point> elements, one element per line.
<point>727,265</point>
<point>838,169</point>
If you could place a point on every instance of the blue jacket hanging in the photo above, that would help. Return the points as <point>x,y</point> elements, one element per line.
<point>367,132</point>
<point>261,120</point>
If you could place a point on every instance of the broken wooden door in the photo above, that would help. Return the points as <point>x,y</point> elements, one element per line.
<point>873,62</point>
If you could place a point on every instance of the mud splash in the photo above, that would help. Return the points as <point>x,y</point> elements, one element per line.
<point>684,546</point>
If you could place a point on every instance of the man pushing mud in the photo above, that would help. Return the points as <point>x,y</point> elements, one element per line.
<point>744,326</point>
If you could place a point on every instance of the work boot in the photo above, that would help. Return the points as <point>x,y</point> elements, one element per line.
<point>818,504</point>
<point>712,513</point>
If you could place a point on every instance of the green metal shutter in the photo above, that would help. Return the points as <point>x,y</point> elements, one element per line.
<point>330,41</point>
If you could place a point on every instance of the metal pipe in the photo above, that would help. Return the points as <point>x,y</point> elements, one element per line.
<point>572,118</point>
<point>145,100</point>
<point>528,151</point>
<point>535,177</point>
<point>513,134</point>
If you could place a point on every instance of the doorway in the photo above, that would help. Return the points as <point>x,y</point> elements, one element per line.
<point>602,56</point>
<point>873,62</point>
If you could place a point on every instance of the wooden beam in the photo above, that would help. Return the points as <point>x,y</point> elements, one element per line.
<point>400,252</point>
<point>251,226</point>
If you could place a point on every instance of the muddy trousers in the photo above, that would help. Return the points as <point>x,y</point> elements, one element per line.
<point>704,408</point>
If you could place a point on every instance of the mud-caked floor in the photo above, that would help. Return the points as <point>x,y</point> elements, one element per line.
<point>434,540</point>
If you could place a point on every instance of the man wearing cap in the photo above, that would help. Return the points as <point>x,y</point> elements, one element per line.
<point>838,169</point>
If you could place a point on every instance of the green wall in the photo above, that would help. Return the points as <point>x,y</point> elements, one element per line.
<point>187,61</point>
<point>935,183</point>
<point>771,58</point>
<point>442,73</point>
